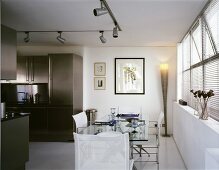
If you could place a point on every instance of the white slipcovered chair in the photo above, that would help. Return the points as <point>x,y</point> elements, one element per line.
<point>81,121</point>
<point>93,152</point>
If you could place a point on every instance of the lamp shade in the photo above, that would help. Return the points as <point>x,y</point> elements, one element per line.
<point>163,66</point>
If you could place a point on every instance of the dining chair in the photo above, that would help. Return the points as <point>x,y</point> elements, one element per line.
<point>153,140</point>
<point>97,152</point>
<point>81,121</point>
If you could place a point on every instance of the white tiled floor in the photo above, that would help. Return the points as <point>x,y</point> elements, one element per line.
<point>60,156</point>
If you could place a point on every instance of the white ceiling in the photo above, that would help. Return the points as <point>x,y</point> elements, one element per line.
<point>143,22</point>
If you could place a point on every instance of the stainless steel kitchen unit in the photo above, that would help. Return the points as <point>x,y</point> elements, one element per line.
<point>58,76</point>
<point>32,69</point>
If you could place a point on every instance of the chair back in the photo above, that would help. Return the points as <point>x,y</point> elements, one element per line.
<point>80,120</point>
<point>101,152</point>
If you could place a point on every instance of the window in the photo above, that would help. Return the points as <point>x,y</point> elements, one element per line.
<point>211,81</point>
<point>212,20</point>
<point>196,44</point>
<point>200,58</point>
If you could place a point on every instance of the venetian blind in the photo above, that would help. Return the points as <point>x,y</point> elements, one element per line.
<point>186,53</point>
<point>212,19</point>
<point>211,81</point>
<point>196,81</point>
<point>186,86</point>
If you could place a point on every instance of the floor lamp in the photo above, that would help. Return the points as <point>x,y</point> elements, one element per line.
<point>164,83</point>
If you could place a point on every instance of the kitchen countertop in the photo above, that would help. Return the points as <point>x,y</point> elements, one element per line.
<point>12,116</point>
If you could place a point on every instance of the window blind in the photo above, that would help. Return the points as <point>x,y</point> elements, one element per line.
<point>211,81</point>
<point>212,18</point>
<point>186,86</point>
<point>196,82</point>
<point>186,53</point>
<point>196,44</point>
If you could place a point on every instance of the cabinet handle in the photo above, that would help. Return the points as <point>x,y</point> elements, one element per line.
<point>50,79</point>
<point>27,69</point>
<point>32,69</point>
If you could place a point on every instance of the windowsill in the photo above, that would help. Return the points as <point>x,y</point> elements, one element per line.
<point>211,123</point>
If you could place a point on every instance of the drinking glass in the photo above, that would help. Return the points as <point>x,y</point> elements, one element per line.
<point>113,111</point>
<point>134,125</point>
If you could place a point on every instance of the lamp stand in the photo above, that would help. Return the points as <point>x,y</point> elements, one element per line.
<point>164,83</point>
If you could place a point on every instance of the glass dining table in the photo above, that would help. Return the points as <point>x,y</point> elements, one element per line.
<point>137,129</point>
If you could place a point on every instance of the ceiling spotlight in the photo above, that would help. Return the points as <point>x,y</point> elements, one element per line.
<point>102,39</point>
<point>59,37</point>
<point>115,32</point>
<point>27,38</point>
<point>100,11</point>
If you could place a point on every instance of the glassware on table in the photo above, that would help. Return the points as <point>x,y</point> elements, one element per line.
<point>113,112</point>
<point>134,124</point>
<point>141,129</point>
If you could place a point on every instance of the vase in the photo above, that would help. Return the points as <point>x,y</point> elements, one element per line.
<point>203,111</point>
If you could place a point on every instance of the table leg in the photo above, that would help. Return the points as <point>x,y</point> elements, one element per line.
<point>131,147</point>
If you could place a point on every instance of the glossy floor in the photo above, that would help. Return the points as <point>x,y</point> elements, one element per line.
<point>60,156</point>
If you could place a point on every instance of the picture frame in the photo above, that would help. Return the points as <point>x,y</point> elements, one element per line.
<point>99,83</point>
<point>130,76</point>
<point>99,69</point>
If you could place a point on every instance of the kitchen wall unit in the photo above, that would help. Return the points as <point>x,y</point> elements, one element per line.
<point>52,121</point>
<point>61,79</point>
<point>66,80</point>
<point>66,88</point>
<point>8,53</point>
<point>32,69</point>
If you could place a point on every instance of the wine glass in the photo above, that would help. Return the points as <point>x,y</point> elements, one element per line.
<point>134,125</point>
<point>113,111</point>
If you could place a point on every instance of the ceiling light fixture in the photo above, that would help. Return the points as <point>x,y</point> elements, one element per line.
<point>59,37</point>
<point>115,32</point>
<point>102,39</point>
<point>100,11</point>
<point>106,9</point>
<point>27,38</point>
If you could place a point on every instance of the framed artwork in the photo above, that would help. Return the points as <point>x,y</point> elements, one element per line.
<point>99,83</point>
<point>129,76</point>
<point>100,69</point>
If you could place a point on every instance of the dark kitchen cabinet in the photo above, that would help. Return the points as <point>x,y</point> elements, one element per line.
<point>66,80</point>
<point>60,119</point>
<point>61,79</point>
<point>38,119</point>
<point>66,89</point>
<point>8,53</point>
<point>34,69</point>
<point>40,69</point>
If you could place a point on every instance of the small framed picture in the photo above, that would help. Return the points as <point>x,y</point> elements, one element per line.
<point>99,83</point>
<point>99,69</point>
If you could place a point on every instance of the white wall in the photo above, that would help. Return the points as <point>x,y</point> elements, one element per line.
<point>193,136</point>
<point>151,102</point>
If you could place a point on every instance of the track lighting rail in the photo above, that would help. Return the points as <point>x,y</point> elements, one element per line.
<point>111,14</point>
<point>64,31</point>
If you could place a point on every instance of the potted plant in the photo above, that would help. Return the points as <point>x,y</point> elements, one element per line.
<point>203,98</point>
